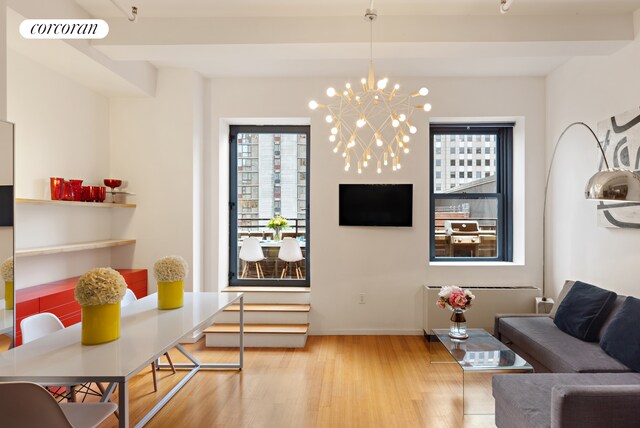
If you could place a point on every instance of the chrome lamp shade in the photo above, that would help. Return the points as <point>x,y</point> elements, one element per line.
<point>613,184</point>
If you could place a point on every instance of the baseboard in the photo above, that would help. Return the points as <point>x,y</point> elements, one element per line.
<point>366,332</point>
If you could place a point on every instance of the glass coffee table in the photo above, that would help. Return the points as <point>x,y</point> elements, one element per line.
<point>480,357</point>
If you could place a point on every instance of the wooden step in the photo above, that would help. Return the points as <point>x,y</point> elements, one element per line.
<point>262,307</point>
<point>259,328</point>
<point>236,289</point>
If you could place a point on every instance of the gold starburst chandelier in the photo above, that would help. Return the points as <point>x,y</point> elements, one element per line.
<point>371,122</point>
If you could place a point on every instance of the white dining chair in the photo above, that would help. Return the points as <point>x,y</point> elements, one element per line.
<point>290,253</point>
<point>44,324</point>
<point>251,252</point>
<point>39,325</point>
<point>26,404</point>
<point>130,297</point>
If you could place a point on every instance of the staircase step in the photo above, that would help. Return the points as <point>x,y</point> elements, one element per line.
<point>262,307</point>
<point>257,335</point>
<point>273,295</point>
<point>259,328</point>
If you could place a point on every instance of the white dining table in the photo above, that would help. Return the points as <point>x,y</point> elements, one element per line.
<point>146,333</point>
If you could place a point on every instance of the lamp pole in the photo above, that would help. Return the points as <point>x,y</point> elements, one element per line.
<point>546,191</point>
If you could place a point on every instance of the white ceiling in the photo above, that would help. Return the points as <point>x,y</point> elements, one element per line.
<point>210,8</point>
<point>300,38</point>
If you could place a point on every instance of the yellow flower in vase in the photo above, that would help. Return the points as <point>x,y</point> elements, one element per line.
<point>277,224</point>
<point>170,273</point>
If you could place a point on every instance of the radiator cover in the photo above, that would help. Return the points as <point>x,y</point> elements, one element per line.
<point>489,301</point>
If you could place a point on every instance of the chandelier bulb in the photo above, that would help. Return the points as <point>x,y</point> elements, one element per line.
<point>426,107</point>
<point>365,164</point>
<point>331,92</point>
<point>334,130</point>
<point>423,92</point>
<point>332,138</point>
<point>329,118</point>
<point>413,129</point>
<point>398,166</point>
<point>402,117</point>
<point>379,142</point>
<point>335,150</point>
<point>361,122</point>
<point>359,168</point>
<point>313,105</point>
<point>406,138</point>
<point>346,167</point>
<point>395,123</point>
<point>406,150</point>
<point>382,83</point>
<point>344,154</point>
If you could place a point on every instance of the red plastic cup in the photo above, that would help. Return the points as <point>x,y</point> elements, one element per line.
<point>86,193</point>
<point>94,193</point>
<point>67,191</point>
<point>76,187</point>
<point>56,184</point>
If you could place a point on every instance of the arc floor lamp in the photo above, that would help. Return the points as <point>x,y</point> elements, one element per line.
<point>609,184</point>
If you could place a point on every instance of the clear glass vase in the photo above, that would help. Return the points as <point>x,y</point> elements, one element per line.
<point>458,325</point>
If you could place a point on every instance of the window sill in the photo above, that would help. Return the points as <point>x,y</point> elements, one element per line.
<point>475,264</point>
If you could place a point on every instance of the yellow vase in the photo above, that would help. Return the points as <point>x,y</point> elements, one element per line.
<point>170,294</point>
<point>100,324</point>
<point>8,294</point>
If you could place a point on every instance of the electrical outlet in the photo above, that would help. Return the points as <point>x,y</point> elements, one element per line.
<point>362,301</point>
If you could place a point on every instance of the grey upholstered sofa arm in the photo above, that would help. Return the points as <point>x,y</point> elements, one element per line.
<point>496,323</point>
<point>611,406</point>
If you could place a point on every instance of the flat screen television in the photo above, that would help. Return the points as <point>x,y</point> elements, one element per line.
<point>376,205</point>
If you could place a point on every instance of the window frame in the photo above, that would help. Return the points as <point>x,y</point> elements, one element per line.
<point>233,277</point>
<point>504,188</point>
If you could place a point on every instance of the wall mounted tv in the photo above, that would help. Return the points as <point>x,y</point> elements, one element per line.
<point>376,205</point>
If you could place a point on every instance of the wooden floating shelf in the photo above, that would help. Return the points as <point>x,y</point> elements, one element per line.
<point>73,203</point>
<point>69,248</point>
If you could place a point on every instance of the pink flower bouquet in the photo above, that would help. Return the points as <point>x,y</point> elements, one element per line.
<point>455,297</point>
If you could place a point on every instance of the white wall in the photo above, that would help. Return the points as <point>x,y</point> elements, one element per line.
<point>61,131</point>
<point>388,264</point>
<point>155,144</point>
<point>588,90</point>
<point>3,61</point>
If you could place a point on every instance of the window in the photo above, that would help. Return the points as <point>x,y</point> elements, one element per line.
<point>269,176</point>
<point>453,162</point>
<point>481,205</point>
<point>438,162</point>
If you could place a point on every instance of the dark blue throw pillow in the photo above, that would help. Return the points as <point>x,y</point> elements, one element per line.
<point>584,310</point>
<point>622,338</point>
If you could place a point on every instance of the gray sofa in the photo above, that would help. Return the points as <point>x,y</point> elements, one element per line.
<point>576,383</point>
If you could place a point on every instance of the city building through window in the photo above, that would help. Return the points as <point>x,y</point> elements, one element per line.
<point>470,202</point>
<point>269,172</point>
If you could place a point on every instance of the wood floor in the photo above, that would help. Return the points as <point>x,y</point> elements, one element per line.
<point>335,381</point>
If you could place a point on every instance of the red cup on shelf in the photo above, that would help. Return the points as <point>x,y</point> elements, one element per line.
<point>56,184</point>
<point>102,194</point>
<point>86,193</point>
<point>67,191</point>
<point>76,187</point>
<point>94,193</point>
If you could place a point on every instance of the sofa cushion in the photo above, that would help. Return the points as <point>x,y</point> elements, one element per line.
<point>584,310</point>
<point>556,350</point>
<point>563,293</point>
<point>622,338</point>
<point>528,397</point>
